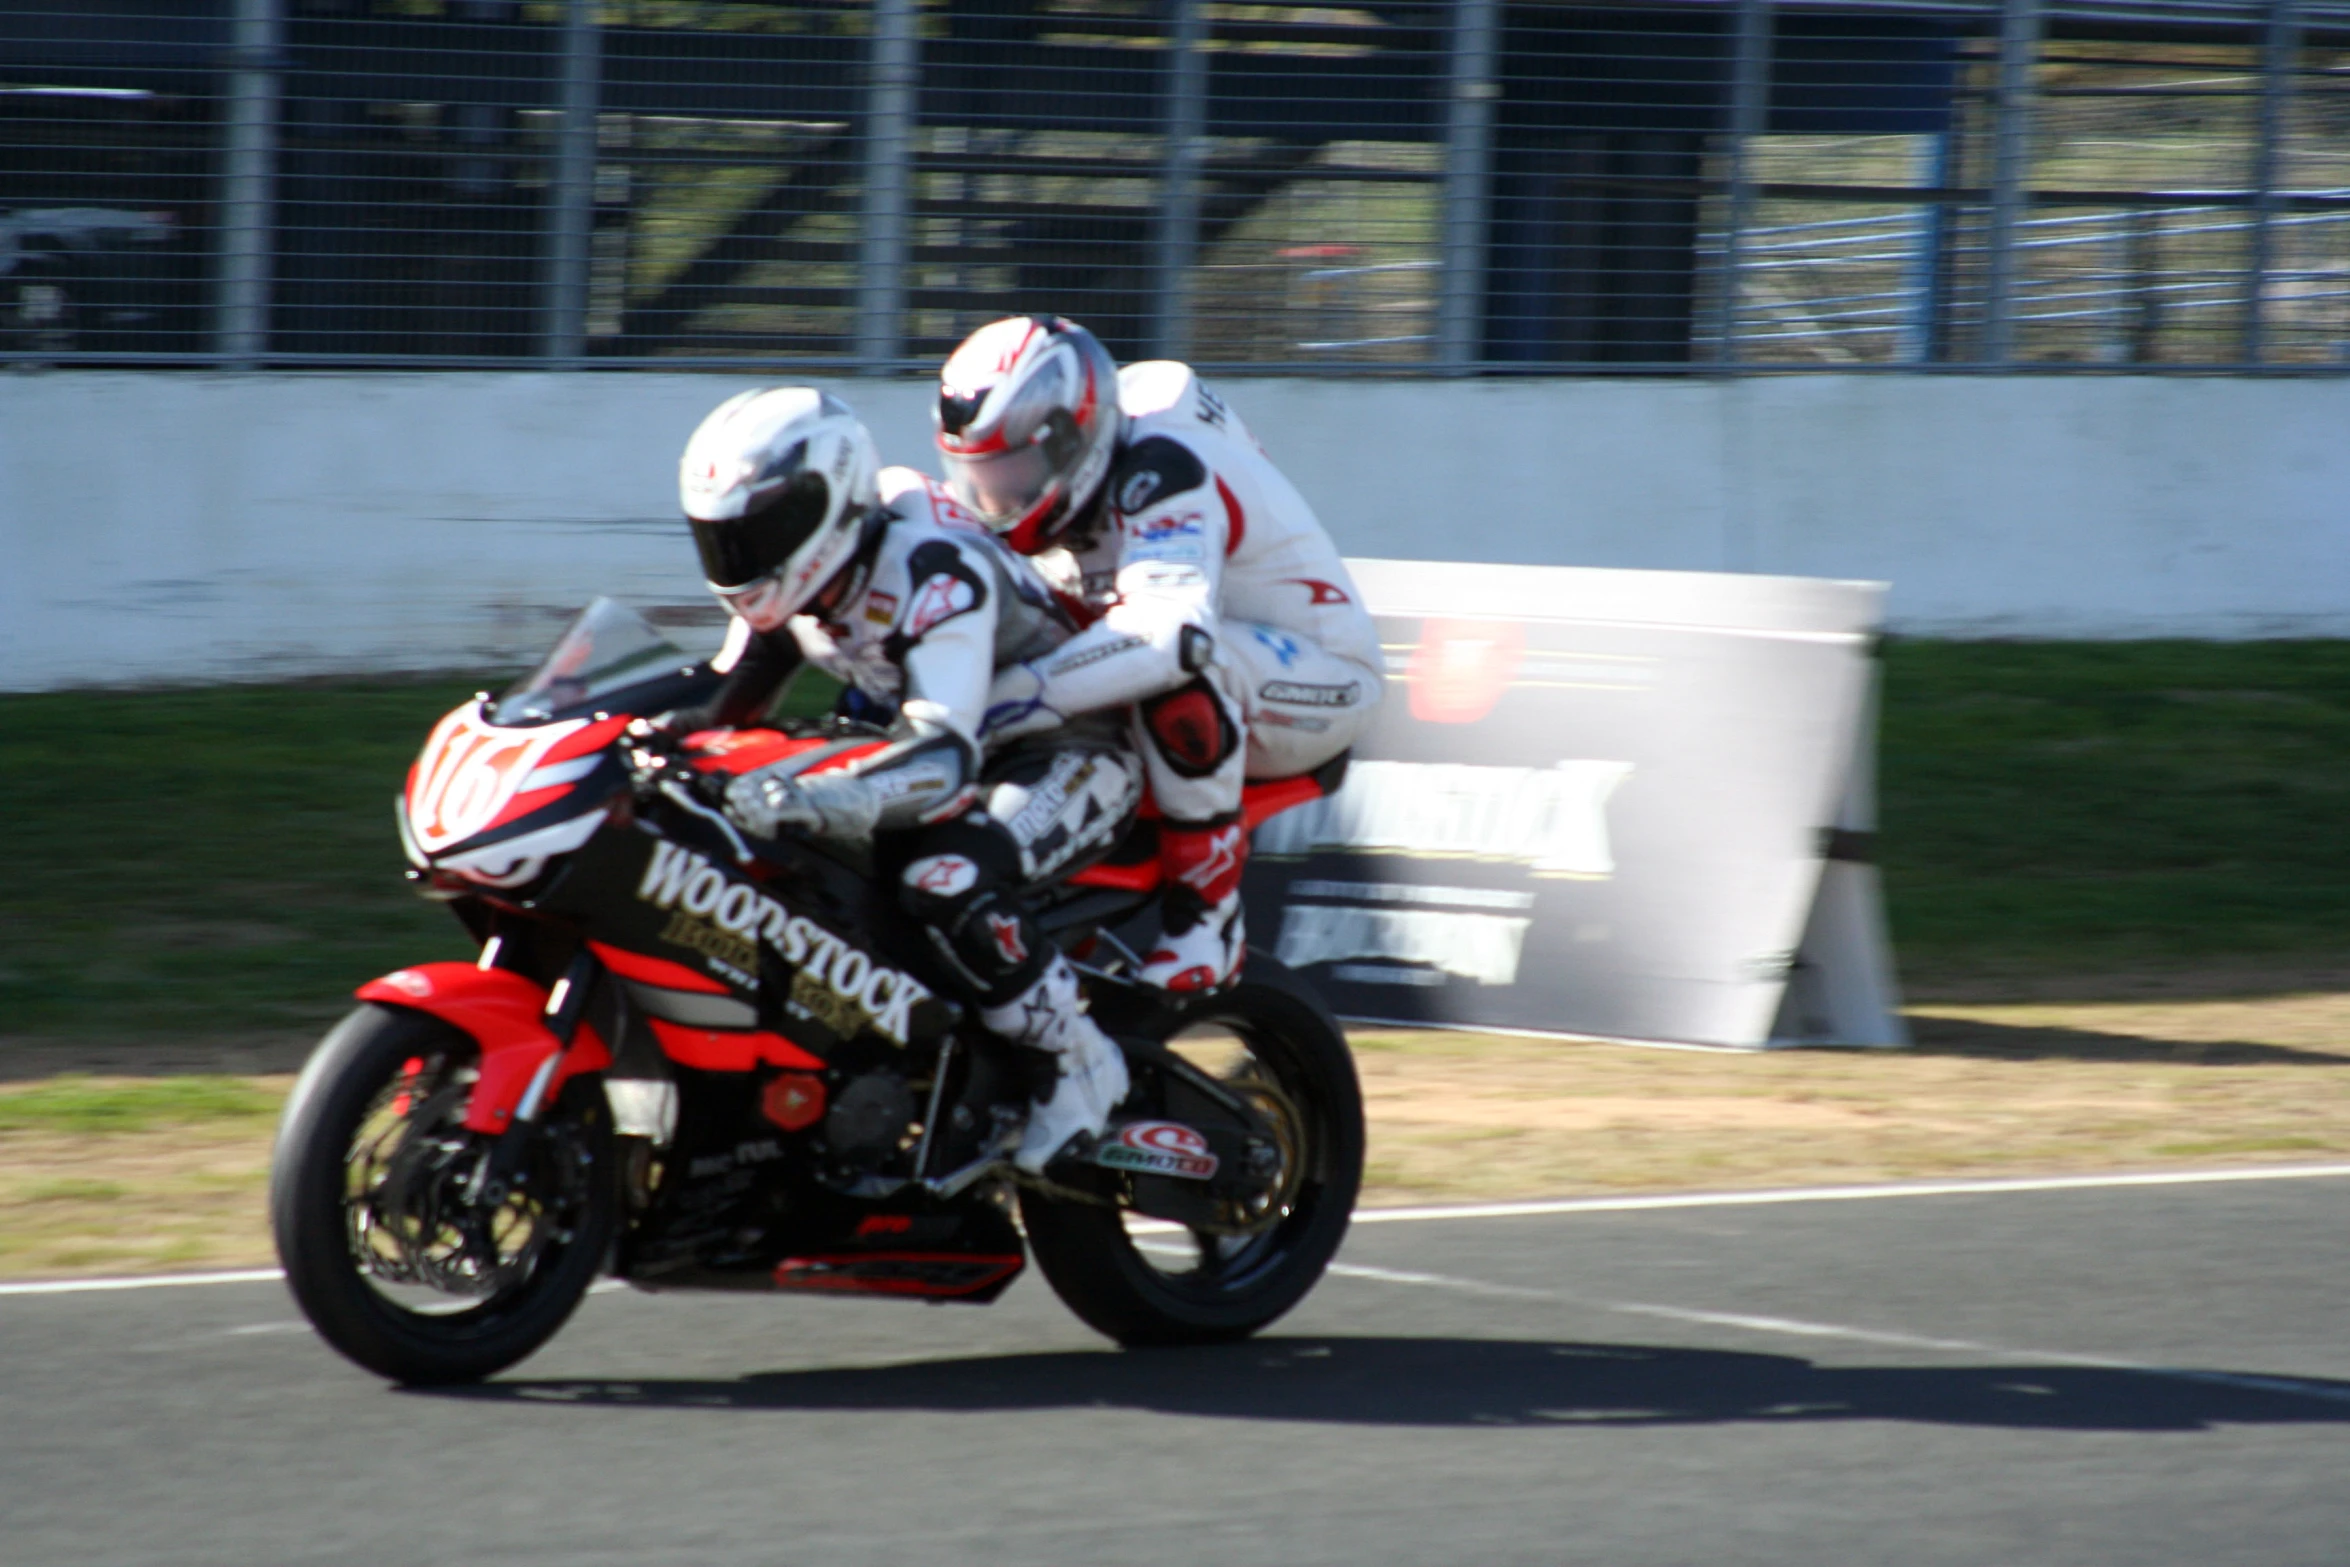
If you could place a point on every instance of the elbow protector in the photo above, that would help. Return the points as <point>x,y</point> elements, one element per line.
<point>1195,648</point>
<point>927,775</point>
<point>1139,649</point>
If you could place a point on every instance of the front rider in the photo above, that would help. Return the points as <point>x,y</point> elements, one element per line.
<point>1217,602</point>
<point>870,574</point>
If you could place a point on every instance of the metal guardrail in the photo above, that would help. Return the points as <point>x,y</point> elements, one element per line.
<point>1394,186</point>
<point>2084,269</point>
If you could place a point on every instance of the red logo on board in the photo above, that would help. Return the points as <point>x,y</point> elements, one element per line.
<point>1461,668</point>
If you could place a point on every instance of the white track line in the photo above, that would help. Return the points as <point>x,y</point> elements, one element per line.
<point>156,1281</point>
<point>2047,1183</point>
<point>1796,1327</point>
<point>1496,1210</point>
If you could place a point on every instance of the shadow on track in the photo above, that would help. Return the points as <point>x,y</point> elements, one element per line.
<point>1480,1382</point>
<point>1987,1041</point>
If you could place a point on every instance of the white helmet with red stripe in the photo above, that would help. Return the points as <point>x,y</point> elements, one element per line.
<point>1027,424</point>
<point>776,486</point>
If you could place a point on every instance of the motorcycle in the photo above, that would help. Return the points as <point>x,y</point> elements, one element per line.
<point>696,1063</point>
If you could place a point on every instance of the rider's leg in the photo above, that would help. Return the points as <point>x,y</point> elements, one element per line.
<point>1305,710</point>
<point>1043,809</point>
<point>1298,705</point>
<point>1193,742</point>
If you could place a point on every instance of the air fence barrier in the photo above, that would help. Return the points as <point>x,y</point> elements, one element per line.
<point>1395,187</point>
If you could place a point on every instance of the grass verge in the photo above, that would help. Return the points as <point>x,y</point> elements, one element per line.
<point>223,859</point>
<point>2070,808</point>
<point>135,1175</point>
<point>207,860</point>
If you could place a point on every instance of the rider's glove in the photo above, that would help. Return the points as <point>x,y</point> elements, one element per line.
<point>1016,706</point>
<point>830,805</point>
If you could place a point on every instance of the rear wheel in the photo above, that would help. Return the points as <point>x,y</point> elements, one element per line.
<point>396,1248</point>
<point>1270,1040</point>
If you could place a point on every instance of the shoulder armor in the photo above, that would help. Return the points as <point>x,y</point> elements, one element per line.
<point>942,582</point>
<point>1153,469</point>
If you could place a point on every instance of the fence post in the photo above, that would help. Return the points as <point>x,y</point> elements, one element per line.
<point>2019,47</point>
<point>1750,111</point>
<point>895,76</point>
<point>248,200</point>
<point>1175,247</point>
<point>571,191</point>
<point>2280,55</point>
<point>1468,185</point>
<point>1923,330</point>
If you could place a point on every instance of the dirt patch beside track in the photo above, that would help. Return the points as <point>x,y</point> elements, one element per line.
<point>2008,1089</point>
<point>176,1181</point>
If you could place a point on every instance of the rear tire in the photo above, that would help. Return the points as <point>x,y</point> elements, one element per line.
<point>1091,1260</point>
<point>327,1234</point>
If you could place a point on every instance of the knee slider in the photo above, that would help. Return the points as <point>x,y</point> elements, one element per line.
<point>996,945</point>
<point>963,889</point>
<point>1192,728</point>
<point>953,864</point>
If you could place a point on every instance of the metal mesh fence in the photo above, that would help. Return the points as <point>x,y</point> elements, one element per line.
<point>109,196</point>
<point>1337,186</point>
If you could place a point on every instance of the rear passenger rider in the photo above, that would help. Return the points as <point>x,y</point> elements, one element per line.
<point>1224,611</point>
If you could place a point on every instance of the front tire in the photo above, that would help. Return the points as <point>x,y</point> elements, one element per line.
<point>1235,1285</point>
<point>384,1247</point>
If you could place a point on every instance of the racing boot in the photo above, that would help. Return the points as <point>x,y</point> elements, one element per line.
<point>1049,1016</point>
<point>1202,934</point>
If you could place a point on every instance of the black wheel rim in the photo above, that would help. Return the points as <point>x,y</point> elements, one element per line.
<point>1206,1267</point>
<point>426,1234</point>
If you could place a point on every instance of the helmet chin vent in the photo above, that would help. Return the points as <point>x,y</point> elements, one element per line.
<point>956,413</point>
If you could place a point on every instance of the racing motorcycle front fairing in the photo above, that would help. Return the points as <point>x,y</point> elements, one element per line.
<point>505,1014</point>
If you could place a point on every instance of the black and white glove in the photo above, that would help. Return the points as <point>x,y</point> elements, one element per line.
<point>830,805</point>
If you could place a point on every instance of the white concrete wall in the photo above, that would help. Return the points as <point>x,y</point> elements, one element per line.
<point>182,527</point>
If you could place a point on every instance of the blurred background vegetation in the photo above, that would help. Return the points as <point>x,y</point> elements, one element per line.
<point>222,859</point>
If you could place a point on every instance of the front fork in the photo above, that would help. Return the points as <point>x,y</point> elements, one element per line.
<point>501,1164</point>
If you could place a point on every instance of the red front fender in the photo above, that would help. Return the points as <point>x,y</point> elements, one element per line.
<point>505,1014</point>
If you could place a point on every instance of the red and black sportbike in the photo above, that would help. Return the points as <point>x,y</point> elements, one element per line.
<point>698,1066</point>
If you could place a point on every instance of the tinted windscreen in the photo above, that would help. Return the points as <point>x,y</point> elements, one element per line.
<point>608,648</point>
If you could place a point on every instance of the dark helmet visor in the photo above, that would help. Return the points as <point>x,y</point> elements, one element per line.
<point>741,550</point>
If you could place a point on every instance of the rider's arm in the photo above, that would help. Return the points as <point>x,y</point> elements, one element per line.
<point>753,666</point>
<point>944,645</point>
<point>948,632</point>
<point>1160,629</point>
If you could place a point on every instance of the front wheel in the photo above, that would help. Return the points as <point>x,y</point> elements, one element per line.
<point>399,1247</point>
<point>1269,1039</point>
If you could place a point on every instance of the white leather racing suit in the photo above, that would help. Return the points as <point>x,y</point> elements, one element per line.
<point>1224,613</point>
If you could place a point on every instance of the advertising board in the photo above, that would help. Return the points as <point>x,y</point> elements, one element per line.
<point>1599,803</point>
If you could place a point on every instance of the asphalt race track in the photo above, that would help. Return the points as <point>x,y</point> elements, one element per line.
<point>2140,1375</point>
